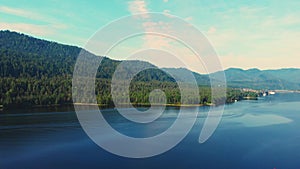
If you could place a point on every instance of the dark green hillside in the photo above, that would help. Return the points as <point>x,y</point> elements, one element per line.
<point>25,56</point>
<point>39,72</point>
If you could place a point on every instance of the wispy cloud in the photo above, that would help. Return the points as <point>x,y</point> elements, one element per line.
<point>156,37</point>
<point>287,20</point>
<point>150,40</point>
<point>211,30</point>
<point>137,6</point>
<point>38,30</point>
<point>265,49</point>
<point>256,36</point>
<point>25,14</point>
<point>166,11</point>
<point>188,18</point>
<point>155,40</point>
<point>250,10</point>
<point>50,24</point>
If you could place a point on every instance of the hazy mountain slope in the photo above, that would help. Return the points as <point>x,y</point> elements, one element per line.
<point>261,79</point>
<point>182,74</point>
<point>291,75</point>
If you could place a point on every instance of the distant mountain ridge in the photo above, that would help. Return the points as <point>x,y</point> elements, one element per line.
<point>280,79</point>
<point>25,56</point>
<point>287,79</point>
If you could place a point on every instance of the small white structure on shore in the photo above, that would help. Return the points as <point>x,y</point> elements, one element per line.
<point>271,92</point>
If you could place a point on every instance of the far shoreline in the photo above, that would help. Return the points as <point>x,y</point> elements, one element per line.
<point>101,106</point>
<point>104,106</point>
<point>287,91</point>
<point>147,105</point>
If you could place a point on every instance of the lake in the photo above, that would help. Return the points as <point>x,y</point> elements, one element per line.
<point>253,134</point>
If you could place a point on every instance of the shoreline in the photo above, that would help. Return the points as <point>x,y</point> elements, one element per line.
<point>287,91</point>
<point>11,107</point>
<point>250,98</point>
<point>147,105</point>
<point>71,105</point>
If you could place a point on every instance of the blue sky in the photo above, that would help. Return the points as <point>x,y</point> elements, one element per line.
<point>247,34</point>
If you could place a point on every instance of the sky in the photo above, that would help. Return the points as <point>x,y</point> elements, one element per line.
<point>262,34</point>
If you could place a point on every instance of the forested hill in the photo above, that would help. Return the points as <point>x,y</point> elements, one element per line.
<point>25,56</point>
<point>39,72</point>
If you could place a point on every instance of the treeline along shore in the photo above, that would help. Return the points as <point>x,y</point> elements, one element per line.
<point>30,92</point>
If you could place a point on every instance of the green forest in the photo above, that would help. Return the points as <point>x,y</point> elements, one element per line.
<point>36,72</point>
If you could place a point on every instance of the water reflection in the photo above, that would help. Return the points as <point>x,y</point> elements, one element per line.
<point>252,134</point>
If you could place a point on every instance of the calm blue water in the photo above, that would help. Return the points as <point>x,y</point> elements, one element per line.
<point>264,134</point>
